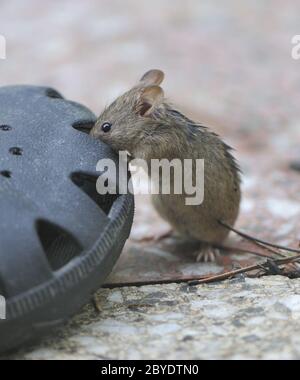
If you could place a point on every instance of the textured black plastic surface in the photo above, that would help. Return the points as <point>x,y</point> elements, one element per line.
<point>59,239</point>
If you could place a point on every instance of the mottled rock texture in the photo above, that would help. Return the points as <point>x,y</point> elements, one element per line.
<point>238,319</point>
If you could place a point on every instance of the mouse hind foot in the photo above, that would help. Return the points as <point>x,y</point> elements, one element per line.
<point>207,254</point>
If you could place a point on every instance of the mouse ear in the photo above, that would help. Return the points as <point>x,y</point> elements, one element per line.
<point>152,77</point>
<point>149,98</point>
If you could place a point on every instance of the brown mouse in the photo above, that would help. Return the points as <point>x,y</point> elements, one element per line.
<point>143,123</point>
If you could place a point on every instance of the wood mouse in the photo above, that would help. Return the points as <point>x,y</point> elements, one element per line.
<point>143,123</point>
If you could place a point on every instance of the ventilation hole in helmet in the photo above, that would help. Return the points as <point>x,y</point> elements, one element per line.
<point>5,173</point>
<point>5,128</point>
<point>59,245</point>
<point>83,126</point>
<point>51,93</point>
<point>16,151</point>
<point>87,183</point>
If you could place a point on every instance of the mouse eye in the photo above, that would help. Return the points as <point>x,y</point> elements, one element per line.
<point>106,127</point>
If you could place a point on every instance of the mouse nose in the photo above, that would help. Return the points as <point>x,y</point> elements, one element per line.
<point>94,132</point>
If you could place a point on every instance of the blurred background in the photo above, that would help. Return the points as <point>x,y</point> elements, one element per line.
<point>230,60</point>
<point>228,65</point>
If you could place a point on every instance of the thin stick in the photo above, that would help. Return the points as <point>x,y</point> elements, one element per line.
<point>249,268</point>
<point>149,282</point>
<point>194,280</point>
<point>225,276</point>
<point>251,238</point>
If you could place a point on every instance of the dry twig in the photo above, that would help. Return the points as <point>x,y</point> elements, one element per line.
<point>265,266</point>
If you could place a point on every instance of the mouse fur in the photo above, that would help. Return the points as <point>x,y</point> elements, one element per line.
<point>146,125</point>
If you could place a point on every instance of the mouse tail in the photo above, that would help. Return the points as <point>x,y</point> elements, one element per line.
<point>251,238</point>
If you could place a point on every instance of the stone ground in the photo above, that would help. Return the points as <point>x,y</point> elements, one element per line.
<point>238,319</point>
<point>229,66</point>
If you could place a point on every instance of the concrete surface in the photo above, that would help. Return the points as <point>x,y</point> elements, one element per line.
<point>229,66</point>
<point>238,319</point>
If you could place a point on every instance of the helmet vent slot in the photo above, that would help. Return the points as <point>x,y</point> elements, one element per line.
<point>59,245</point>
